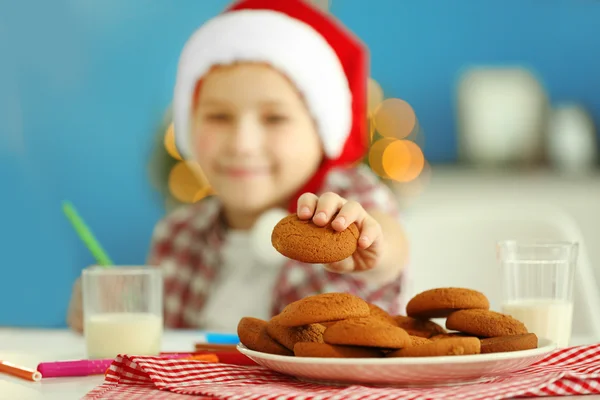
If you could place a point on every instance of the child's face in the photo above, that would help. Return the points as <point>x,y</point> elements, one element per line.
<point>253,137</point>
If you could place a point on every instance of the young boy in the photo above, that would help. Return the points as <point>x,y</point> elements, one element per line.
<point>270,101</point>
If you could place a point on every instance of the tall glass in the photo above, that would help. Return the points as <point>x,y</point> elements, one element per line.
<point>538,282</point>
<point>122,311</point>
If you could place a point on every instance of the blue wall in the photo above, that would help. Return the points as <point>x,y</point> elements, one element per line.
<point>84,84</point>
<point>418,48</point>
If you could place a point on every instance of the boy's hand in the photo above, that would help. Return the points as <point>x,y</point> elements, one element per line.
<point>323,209</point>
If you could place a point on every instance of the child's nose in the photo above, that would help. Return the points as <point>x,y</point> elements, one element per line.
<point>247,137</point>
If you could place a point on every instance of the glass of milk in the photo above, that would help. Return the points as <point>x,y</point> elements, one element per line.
<point>538,286</point>
<point>122,310</point>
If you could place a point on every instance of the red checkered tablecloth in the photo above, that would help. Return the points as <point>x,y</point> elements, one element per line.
<point>572,371</point>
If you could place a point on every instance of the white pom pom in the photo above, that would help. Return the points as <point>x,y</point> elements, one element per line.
<point>261,237</point>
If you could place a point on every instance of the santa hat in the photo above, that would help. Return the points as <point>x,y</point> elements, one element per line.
<point>327,64</point>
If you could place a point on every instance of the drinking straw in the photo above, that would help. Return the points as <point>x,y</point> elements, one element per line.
<point>86,235</point>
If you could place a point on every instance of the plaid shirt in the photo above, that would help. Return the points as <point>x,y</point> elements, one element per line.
<point>187,245</point>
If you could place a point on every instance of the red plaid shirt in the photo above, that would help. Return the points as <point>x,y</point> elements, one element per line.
<point>187,245</point>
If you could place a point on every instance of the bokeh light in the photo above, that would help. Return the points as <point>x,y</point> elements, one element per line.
<point>371,127</point>
<point>374,95</point>
<point>396,140</point>
<point>402,160</point>
<point>376,156</point>
<point>394,118</point>
<point>170,145</point>
<point>204,192</point>
<point>186,182</point>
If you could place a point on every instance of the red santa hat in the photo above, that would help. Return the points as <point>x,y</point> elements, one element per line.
<point>326,62</point>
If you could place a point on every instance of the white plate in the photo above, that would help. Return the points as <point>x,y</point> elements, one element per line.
<point>409,371</point>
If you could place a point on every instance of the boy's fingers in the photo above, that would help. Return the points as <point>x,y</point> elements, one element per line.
<point>369,233</point>
<point>350,212</point>
<point>307,203</point>
<point>327,206</point>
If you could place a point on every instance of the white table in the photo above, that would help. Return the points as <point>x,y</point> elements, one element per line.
<point>28,347</point>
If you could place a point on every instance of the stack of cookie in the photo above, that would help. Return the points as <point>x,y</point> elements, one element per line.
<point>467,314</point>
<point>344,326</point>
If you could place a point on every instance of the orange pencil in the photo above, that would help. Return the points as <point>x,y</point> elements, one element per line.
<point>203,357</point>
<point>20,372</point>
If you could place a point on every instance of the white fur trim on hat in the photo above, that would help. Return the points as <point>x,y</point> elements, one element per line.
<point>289,45</point>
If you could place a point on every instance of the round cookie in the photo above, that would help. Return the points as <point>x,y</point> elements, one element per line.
<point>324,307</point>
<point>443,347</point>
<point>367,332</point>
<point>308,243</point>
<point>419,327</point>
<point>485,323</point>
<point>439,303</point>
<point>451,335</point>
<point>379,313</point>
<point>324,350</point>
<point>289,336</point>
<point>509,343</point>
<point>418,341</point>
<point>253,334</point>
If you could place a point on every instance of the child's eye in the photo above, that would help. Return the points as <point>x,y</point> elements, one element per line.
<point>219,117</point>
<point>275,119</point>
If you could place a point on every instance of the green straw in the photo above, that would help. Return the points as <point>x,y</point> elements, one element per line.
<point>86,235</point>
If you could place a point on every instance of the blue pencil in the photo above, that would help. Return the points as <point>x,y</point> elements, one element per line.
<point>221,338</point>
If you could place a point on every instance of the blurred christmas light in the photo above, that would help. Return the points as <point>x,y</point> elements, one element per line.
<point>374,95</point>
<point>396,139</point>
<point>402,160</point>
<point>170,143</point>
<point>205,192</point>
<point>394,118</point>
<point>187,182</point>
<point>376,156</point>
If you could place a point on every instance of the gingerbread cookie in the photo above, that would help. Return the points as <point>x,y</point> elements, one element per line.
<point>439,303</point>
<point>324,350</point>
<point>324,307</point>
<point>306,242</point>
<point>368,332</point>
<point>379,313</point>
<point>509,343</point>
<point>485,323</point>
<point>419,327</point>
<point>418,340</point>
<point>253,334</point>
<point>289,336</point>
<point>451,335</point>
<point>443,347</point>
